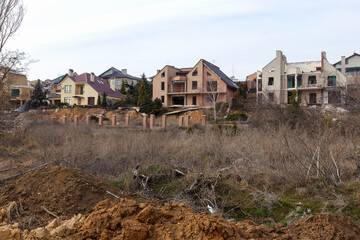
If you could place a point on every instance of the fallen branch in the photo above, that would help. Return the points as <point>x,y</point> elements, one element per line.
<point>112,194</point>
<point>52,214</point>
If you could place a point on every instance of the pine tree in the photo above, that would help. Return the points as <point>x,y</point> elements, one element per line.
<point>122,87</point>
<point>38,93</point>
<point>98,103</point>
<point>104,100</point>
<point>144,92</point>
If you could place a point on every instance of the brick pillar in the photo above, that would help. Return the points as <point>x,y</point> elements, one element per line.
<point>187,120</point>
<point>87,119</point>
<point>101,120</point>
<point>127,120</point>
<point>52,119</point>
<point>113,120</point>
<point>163,121</point>
<point>64,120</point>
<point>76,120</point>
<point>203,120</point>
<point>181,121</point>
<point>145,119</point>
<point>152,121</point>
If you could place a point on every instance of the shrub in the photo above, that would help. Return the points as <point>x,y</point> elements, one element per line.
<point>237,115</point>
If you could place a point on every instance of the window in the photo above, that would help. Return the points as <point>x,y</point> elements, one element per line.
<point>195,72</point>
<point>118,82</point>
<point>208,74</point>
<point>272,70</point>
<point>346,61</point>
<point>299,81</point>
<point>194,85</point>
<point>67,88</point>
<point>271,81</point>
<point>82,90</point>
<point>15,92</point>
<point>212,86</point>
<point>67,100</point>
<point>312,80</point>
<point>271,97</point>
<point>291,81</point>
<point>318,68</point>
<point>163,74</point>
<point>194,100</point>
<point>162,86</point>
<point>312,98</point>
<point>331,81</point>
<point>162,99</point>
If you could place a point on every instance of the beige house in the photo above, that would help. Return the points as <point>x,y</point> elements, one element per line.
<point>350,67</point>
<point>18,87</point>
<point>84,89</point>
<point>315,82</point>
<point>200,85</point>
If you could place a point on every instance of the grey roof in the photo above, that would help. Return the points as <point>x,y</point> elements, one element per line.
<point>222,75</point>
<point>114,72</point>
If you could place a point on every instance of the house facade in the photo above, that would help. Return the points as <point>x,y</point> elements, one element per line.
<point>313,82</point>
<point>84,89</point>
<point>115,77</point>
<point>18,86</point>
<point>350,67</point>
<point>195,86</point>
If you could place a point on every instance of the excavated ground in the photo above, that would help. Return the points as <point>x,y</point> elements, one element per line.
<point>78,198</point>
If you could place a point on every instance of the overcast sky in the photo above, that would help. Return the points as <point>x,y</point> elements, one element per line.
<point>239,36</point>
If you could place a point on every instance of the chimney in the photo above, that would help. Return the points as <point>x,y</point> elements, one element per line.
<point>278,53</point>
<point>124,71</point>
<point>112,84</point>
<point>92,77</point>
<point>343,65</point>
<point>71,73</point>
<point>323,57</point>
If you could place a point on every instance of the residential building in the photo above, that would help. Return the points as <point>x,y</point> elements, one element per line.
<point>350,67</point>
<point>84,89</point>
<point>115,77</point>
<point>54,93</point>
<point>20,90</point>
<point>194,86</point>
<point>314,82</point>
<point>254,85</point>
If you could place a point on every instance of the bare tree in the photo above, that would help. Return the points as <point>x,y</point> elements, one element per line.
<point>212,95</point>
<point>11,16</point>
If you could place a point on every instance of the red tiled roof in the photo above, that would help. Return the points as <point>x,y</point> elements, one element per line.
<point>98,85</point>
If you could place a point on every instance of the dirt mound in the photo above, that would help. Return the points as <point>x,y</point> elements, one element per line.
<point>63,191</point>
<point>324,226</point>
<point>132,220</point>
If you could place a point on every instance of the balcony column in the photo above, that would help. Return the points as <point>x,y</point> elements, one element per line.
<point>185,87</point>
<point>172,86</point>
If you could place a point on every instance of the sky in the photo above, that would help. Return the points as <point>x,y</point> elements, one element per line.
<point>239,36</point>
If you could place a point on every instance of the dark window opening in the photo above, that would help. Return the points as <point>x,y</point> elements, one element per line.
<point>195,72</point>
<point>271,97</point>
<point>194,85</point>
<point>178,100</point>
<point>318,68</point>
<point>331,81</point>
<point>15,92</point>
<point>271,81</point>
<point>299,81</point>
<point>162,86</point>
<point>312,80</point>
<point>208,74</point>
<point>194,100</point>
<point>212,86</point>
<point>163,74</point>
<point>162,99</point>
<point>312,98</point>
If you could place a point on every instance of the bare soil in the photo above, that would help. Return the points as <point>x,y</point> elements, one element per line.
<point>68,192</point>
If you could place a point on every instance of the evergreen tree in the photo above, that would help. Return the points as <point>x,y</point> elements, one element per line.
<point>122,87</point>
<point>38,93</point>
<point>104,100</point>
<point>98,103</point>
<point>144,92</point>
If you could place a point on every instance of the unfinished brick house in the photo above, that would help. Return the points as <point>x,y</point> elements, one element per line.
<point>315,82</point>
<point>193,86</point>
